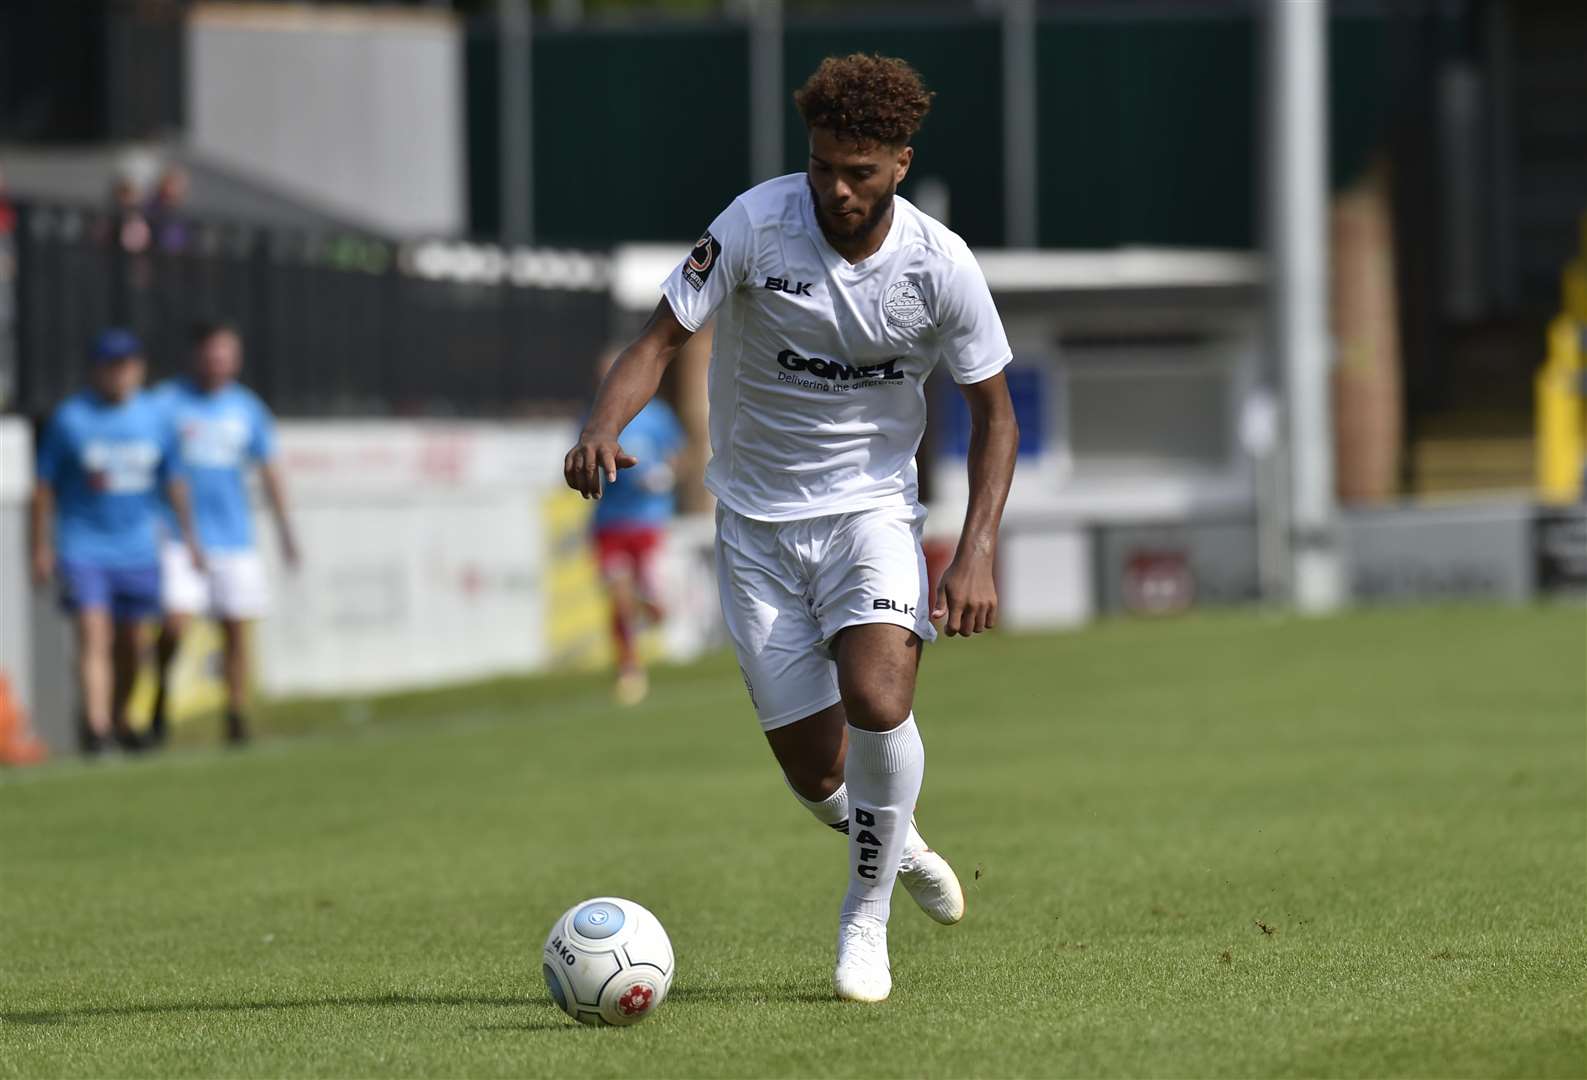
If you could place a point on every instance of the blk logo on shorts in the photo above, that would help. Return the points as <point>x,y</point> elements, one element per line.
<point>893,605</point>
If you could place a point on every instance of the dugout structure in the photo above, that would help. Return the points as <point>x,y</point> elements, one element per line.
<point>1137,377</point>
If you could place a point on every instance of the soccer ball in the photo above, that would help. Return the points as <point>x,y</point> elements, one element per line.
<point>608,961</point>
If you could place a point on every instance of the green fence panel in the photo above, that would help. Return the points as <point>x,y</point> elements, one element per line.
<point>1149,128</point>
<point>1146,132</point>
<point>640,133</point>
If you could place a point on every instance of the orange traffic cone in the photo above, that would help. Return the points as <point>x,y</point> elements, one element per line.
<point>18,744</point>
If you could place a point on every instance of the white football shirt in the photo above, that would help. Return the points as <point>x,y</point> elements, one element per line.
<point>818,367</point>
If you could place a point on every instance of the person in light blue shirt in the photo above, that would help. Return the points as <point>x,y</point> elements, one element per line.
<point>223,431</point>
<point>631,520</point>
<point>107,455</point>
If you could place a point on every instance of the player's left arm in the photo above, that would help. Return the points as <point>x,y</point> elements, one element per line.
<point>967,594</point>
<point>276,496</point>
<point>262,447</point>
<point>176,493</point>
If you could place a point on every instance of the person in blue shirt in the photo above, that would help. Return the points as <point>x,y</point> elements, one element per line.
<point>107,455</point>
<point>631,520</point>
<point>222,431</point>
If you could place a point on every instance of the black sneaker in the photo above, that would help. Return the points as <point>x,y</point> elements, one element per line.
<point>129,740</point>
<point>90,742</point>
<point>236,729</point>
<point>156,734</point>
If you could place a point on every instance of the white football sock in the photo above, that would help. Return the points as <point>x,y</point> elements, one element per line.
<point>833,812</point>
<point>883,775</point>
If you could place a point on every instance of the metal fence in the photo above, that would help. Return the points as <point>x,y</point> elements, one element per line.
<point>333,325</point>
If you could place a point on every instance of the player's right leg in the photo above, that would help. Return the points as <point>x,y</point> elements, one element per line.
<point>85,596</point>
<point>240,595</point>
<point>172,629</point>
<point>618,572</point>
<point>93,632</point>
<point>774,633</point>
<point>126,649</point>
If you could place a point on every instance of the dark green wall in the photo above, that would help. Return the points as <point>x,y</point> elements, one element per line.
<point>1148,127</point>
<point>639,134</point>
<point>1147,133</point>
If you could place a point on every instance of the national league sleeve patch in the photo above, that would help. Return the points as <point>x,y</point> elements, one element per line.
<point>702,260</point>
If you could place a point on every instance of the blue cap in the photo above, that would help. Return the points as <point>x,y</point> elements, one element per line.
<point>115,344</point>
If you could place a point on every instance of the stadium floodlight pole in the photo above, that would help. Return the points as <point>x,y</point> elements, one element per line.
<point>514,88</point>
<point>1297,176</point>
<point>1019,123</point>
<point>768,103</point>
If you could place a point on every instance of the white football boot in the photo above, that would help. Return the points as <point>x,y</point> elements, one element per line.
<point>863,973</point>
<point>932,882</point>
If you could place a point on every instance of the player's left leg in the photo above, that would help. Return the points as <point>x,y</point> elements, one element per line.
<point>647,586</point>
<point>234,648</point>
<point>126,649</point>
<point>134,601</point>
<point>172,629</point>
<point>883,770</point>
<point>619,572</point>
<point>241,594</point>
<point>872,590</point>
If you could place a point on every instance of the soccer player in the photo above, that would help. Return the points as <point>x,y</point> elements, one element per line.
<point>222,428</point>
<point>96,521</point>
<point>834,298</point>
<point>630,521</point>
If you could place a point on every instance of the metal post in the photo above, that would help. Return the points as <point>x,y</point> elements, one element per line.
<point>1019,123</point>
<point>1297,144</point>
<point>516,130</point>
<point>767,104</point>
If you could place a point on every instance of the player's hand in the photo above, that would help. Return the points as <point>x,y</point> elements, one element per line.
<point>966,596</point>
<point>593,463</point>
<point>290,554</point>
<point>43,564</point>
<point>196,553</point>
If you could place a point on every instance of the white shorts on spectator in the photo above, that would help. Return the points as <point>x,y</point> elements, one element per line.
<point>232,587</point>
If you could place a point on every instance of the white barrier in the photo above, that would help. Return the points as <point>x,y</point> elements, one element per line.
<point>16,608</point>
<point>438,552</point>
<point>424,554</point>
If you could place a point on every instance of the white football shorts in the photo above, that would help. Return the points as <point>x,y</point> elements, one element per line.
<point>232,587</point>
<point>788,587</point>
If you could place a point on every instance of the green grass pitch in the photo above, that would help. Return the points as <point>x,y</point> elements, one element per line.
<point>1226,845</point>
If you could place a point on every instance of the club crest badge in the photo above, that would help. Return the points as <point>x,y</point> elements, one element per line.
<point>904,305</point>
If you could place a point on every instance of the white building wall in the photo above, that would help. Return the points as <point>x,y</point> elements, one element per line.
<point>360,112</point>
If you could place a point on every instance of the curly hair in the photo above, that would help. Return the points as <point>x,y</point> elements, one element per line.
<point>866,100</point>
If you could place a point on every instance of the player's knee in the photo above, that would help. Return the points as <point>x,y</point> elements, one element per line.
<point>875,706</point>
<point>815,781</point>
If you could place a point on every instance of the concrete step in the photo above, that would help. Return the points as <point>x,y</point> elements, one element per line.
<point>1442,465</point>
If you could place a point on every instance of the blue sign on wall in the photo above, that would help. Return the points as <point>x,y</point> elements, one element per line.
<point>1026,385</point>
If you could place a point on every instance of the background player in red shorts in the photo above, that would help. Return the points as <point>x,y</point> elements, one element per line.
<point>630,521</point>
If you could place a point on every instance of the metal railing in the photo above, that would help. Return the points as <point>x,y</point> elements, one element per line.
<point>333,324</point>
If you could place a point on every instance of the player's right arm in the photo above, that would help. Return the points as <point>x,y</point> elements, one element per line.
<point>52,454</point>
<point>633,380</point>
<point>716,266</point>
<point>42,511</point>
